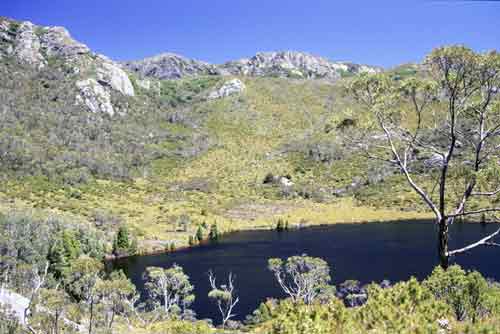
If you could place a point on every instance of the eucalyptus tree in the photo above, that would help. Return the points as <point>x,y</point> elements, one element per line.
<point>449,116</point>
<point>117,296</point>
<point>169,287</point>
<point>224,295</point>
<point>302,278</point>
<point>81,281</point>
<point>48,315</point>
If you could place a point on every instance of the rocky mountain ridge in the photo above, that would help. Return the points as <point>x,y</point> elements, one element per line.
<point>168,66</point>
<point>37,45</point>
<point>287,64</point>
<point>294,64</point>
<point>96,77</point>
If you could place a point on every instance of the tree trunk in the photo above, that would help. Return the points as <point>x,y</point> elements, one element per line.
<point>91,316</point>
<point>443,243</point>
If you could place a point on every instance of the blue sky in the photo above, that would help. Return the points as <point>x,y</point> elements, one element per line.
<point>383,33</point>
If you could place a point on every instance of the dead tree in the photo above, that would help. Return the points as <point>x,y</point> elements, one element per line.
<point>224,296</point>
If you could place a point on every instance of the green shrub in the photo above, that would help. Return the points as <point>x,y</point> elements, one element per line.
<point>465,292</point>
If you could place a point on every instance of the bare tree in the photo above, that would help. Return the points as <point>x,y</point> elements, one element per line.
<point>452,113</point>
<point>224,296</point>
<point>303,278</point>
<point>37,282</point>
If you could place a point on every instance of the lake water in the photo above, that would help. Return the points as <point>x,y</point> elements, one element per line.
<point>364,252</point>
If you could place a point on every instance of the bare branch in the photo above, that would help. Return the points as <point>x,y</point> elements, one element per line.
<point>404,169</point>
<point>491,193</point>
<point>475,212</point>
<point>492,244</point>
<point>483,242</point>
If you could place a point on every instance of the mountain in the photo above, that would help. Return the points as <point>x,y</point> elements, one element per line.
<point>112,142</point>
<point>37,46</point>
<point>294,64</point>
<point>170,66</point>
<point>284,64</point>
<point>40,47</point>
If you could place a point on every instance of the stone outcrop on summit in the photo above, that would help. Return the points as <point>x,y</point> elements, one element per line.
<point>288,64</point>
<point>293,64</point>
<point>170,66</point>
<point>95,75</point>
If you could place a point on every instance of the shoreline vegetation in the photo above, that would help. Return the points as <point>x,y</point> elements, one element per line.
<point>344,211</point>
<point>409,219</point>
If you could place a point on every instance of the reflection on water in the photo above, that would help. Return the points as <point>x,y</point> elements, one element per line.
<point>365,252</point>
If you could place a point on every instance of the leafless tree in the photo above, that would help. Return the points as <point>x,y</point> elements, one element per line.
<point>224,296</point>
<point>37,282</point>
<point>451,113</point>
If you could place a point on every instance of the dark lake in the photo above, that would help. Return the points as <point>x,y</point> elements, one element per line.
<point>365,252</point>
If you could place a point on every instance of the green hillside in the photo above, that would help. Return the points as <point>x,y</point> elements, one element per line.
<point>174,155</point>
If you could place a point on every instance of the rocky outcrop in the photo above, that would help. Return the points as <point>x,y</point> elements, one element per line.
<point>94,96</point>
<point>18,304</point>
<point>280,64</point>
<point>293,64</point>
<point>57,42</point>
<point>27,45</point>
<point>35,46</point>
<point>111,75</point>
<point>228,88</point>
<point>170,66</point>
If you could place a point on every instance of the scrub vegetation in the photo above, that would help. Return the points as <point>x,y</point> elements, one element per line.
<point>173,167</point>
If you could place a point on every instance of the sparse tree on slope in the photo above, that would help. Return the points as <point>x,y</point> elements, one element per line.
<point>81,281</point>
<point>450,114</point>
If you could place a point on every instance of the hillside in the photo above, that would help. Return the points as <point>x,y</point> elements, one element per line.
<point>103,160</point>
<point>85,137</point>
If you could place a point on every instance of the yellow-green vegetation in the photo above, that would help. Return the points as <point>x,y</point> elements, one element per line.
<point>269,129</point>
<point>452,301</point>
<point>170,326</point>
<point>176,161</point>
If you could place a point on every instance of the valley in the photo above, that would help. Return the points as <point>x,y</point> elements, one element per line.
<point>278,193</point>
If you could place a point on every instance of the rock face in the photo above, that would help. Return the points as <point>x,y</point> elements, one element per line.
<point>27,45</point>
<point>293,64</point>
<point>110,74</point>
<point>170,66</point>
<point>35,46</point>
<point>57,42</point>
<point>280,64</point>
<point>230,87</point>
<point>94,96</point>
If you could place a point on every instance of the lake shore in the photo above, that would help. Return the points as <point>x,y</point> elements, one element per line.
<point>315,214</point>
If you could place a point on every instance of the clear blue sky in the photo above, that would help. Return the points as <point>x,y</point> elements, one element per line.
<point>371,32</point>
